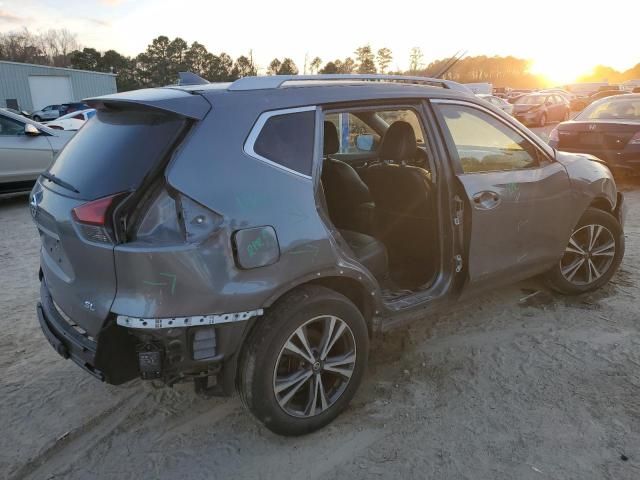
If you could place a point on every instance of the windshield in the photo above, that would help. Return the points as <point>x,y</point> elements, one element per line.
<point>531,100</point>
<point>612,109</point>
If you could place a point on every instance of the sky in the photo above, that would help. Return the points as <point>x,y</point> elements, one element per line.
<point>564,38</point>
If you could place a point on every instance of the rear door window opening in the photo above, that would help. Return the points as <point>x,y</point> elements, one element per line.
<point>380,194</point>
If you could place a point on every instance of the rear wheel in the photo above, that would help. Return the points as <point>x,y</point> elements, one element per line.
<point>304,361</point>
<point>566,115</point>
<point>593,255</point>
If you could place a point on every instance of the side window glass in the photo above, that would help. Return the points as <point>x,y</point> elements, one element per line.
<point>9,127</point>
<point>287,139</point>
<point>485,144</point>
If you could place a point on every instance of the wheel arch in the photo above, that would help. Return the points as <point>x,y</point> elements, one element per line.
<point>602,203</point>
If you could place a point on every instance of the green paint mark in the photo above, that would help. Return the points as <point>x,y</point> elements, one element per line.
<point>164,284</point>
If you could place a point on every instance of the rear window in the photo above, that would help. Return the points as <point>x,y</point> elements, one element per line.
<point>115,151</point>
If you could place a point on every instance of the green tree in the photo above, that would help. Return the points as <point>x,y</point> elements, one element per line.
<point>243,67</point>
<point>384,59</point>
<point>198,60</point>
<point>274,66</point>
<point>365,59</point>
<point>221,68</point>
<point>346,66</point>
<point>85,59</point>
<point>315,65</point>
<point>329,68</point>
<point>160,63</point>
<point>415,60</point>
<point>288,67</point>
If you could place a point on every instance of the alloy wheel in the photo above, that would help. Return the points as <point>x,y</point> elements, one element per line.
<point>589,255</point>
<point>314,366</point>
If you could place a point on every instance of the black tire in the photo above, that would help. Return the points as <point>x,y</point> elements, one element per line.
<point>562,276</point>
<point>543,120</point>
<point>264,354</point>
<point>37,118</point>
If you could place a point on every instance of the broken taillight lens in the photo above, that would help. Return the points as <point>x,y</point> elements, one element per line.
<point>94,218</point>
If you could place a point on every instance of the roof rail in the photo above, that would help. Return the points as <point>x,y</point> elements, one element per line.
<point>277,81</point>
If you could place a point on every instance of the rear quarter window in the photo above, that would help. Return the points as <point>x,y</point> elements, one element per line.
<point>287,139</point>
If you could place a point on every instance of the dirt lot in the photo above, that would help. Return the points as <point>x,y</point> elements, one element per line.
<point>503,388</point>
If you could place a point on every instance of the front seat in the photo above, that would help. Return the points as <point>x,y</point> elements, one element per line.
<point>405,218</point>
<point>348,199</point>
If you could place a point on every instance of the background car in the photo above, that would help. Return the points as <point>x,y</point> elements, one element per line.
<point>27,149</point>
<point>50,112</point>
<point>582,102</point>
<point>540,108</point>
<point>608,129</point>
<point>559,91</point>
<point>72,121</point>
<point>498,102</point>
<point>74,107</point>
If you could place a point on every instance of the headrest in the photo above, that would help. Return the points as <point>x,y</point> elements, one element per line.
<point>399,142</point>
<point>331,142</point>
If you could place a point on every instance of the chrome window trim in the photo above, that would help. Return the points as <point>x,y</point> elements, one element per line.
<point>249,143</point>
<point>545,149</point>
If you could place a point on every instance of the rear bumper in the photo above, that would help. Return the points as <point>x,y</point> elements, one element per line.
<point>64,338</point>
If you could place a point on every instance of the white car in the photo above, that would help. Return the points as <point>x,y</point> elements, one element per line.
<point>72,121</point>
<point>498,102</point>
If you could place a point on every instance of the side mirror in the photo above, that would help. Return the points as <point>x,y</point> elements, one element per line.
<point>30,130</point>
<point>365,143</point>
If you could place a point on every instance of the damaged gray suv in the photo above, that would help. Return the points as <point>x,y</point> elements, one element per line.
<point>254,235</point>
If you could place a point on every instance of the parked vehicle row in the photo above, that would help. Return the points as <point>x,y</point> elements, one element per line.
<point>608,128</point>
<point>72,121</point>
<point>51,112</point>
<point>255,245</point>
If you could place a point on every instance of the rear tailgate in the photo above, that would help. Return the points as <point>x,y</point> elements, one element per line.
<point>114,153</point>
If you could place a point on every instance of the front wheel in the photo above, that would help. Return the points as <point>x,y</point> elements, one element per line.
<point>37,118</point>
<point>593,255</point>
<point>304,361</point>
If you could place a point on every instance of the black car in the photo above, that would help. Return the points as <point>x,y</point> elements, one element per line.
<point>582,102</point>
<point>608,129</point>
<point>539,108</point>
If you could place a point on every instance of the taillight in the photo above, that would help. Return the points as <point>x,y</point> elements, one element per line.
<point>553,136</point>
<point>94,218</point>
<point>635,140</point>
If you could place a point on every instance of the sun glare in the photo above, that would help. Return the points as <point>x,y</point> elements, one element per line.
<point>558,71</point>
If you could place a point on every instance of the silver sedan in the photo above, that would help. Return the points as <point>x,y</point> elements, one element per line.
<point>27,148</point>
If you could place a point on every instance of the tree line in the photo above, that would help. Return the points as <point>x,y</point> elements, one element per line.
<point>163,58</point>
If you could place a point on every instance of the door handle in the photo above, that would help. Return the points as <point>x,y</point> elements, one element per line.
<point>486,200</point>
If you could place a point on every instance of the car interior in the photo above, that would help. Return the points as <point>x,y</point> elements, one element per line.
<point>383,201</point>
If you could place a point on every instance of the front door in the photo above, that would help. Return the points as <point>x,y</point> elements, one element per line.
<point>22,157</point>
<point>517,195</point>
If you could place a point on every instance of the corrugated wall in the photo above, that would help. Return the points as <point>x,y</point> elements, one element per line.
<point>14,82</point>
